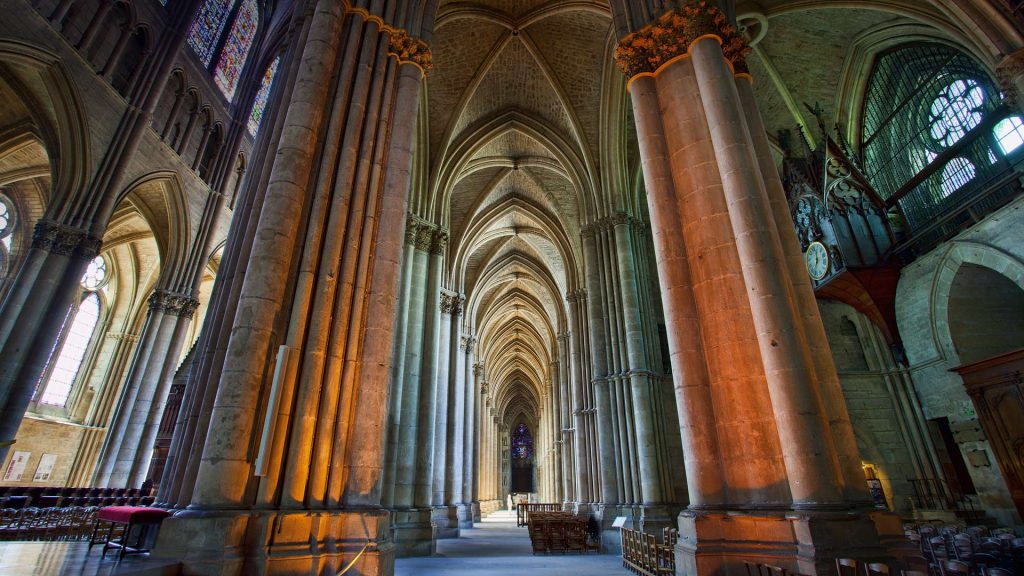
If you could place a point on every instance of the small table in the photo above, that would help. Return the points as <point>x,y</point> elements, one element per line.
<point>129,517</point>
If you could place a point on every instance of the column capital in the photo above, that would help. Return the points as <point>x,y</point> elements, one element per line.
<point>174,303</point>
<point>563,336</point>
<point>63,240</point>
<point>451,303</point>
<point>438,241</point>
<point>410,50</point>
<point>672,34</point>
<point>578,295</point>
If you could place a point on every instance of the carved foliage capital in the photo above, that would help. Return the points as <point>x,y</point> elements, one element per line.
<point>410,50</point>
<point>576,295</point>
<point>451,303</point>
<point>63,240</point>
<point>672,34</point>
<point>175,303</point>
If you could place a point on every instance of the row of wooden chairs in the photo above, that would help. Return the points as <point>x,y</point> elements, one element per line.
<point>980,550</point>
<point>849,567</point>
<point>68,523</point>
<point>560,532</point>
<point>524,509</point>
<point>642,553</point>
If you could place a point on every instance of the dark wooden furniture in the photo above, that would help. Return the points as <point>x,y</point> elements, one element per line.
<point>995,386</point>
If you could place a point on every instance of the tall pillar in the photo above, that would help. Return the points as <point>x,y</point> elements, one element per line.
<point>457,421</point>
<point>128,447</point>
<point>764,438</point>
<point>312,332</point>
<point>444,514</point>
<point>471,446</point>
<point>33,312</point>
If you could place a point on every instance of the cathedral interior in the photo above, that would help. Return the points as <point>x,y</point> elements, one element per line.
<point>334,278</point>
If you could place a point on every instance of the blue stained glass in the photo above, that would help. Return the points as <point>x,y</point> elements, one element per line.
<point>256,116</point>
<point>207,28</point>
<point>522,443</point>
<point>236,48</point>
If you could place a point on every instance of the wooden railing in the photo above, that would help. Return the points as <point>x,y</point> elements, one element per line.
<point>523,511</point>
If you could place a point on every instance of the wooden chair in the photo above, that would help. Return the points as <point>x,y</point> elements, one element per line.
<point>914,573</point>
<point>846,566</point>
<point>999,572</point>
<point>955,567</point>
<point>876,569</point>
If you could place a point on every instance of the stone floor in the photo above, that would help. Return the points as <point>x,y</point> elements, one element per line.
<point>497,546</point>
<point>60,558</point>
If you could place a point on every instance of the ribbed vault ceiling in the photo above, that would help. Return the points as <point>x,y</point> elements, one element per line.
<point>513,132</point>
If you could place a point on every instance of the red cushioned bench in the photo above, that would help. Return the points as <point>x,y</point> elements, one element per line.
<point>126,518</point>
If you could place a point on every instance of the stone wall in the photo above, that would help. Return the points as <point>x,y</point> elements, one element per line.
<point>923,306</point>
<point>37,437</point>
<point>867,374</point>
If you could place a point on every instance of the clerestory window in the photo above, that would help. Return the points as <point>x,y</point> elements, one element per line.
<point>934,131</point>
<point>212,40</point>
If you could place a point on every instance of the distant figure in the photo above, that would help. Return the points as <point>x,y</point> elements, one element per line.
<point>511,502</point>
<point>593,529</point>
<point>147,487</point>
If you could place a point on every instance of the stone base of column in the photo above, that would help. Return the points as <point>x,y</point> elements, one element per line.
<point>801,542</point>
<point>414,532</point>
<point>650,519</point>
<point>446,521</point>
<point>464,513</point>
<point>485,508</point>
<point>582,509</point>
<point>278,541</point>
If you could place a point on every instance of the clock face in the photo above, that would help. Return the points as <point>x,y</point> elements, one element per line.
<point>816,259</point>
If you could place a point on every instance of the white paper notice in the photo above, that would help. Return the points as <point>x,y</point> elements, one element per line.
<point>17,467</point>
<point>45,468</point>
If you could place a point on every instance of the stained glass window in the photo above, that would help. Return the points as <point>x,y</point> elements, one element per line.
<point>6,222</point>
<point>207,28</point>
<point>72,353</point>
<point>522,443</point>
<point>256,116</point>
<point>236,48</point>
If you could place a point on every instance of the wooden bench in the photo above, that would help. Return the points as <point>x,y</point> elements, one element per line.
<point>121,521</point>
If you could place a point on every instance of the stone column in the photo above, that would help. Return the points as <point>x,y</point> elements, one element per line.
<point>331,213</point>
<point>398,367</point>
<point>644,410</point>
<point>33,312</point>
<point>579,386</point>
<point>471,444</point>
<point>443,515</point>
<point>772,417</point>
<point>607,461</point>
<point>426,453</point>
<point>457,422</point>
<point>128,447</point>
